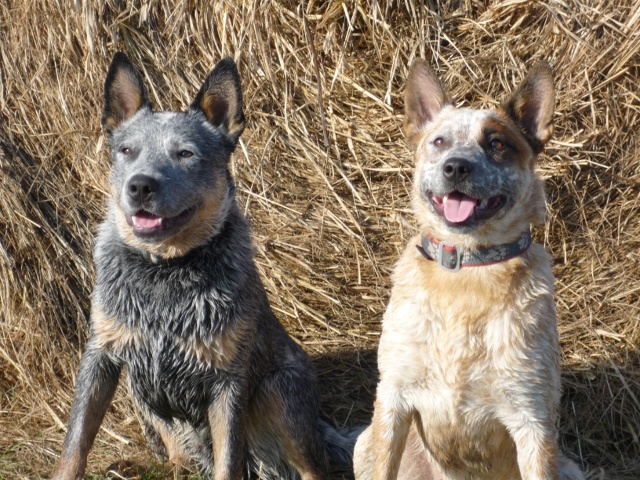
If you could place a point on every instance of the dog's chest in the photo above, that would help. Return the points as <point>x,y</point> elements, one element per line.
<point>455,348</point>
<point>173,378</point>
<point>178,341</point>
<point>173,375</point>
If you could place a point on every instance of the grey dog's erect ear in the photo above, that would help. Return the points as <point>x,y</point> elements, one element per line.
<point>124,93</point>
<point>531,105</point>
<point>424,97</point>
<point>220,99</point>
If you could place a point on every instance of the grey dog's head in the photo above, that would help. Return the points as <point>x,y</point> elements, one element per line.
<point>475,180</point>
<point>170,181</point>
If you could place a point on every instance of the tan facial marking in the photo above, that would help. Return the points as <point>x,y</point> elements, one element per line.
<point>508,130</point>
<point>205,223</point>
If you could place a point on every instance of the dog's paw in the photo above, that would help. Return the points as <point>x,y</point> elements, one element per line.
<point>125,470</point>
<point>130,470</point>
<point>569,470</point>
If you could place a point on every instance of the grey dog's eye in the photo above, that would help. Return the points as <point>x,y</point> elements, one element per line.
<point>438,142</point>
<point>185,154</point>
<point>125,150</point>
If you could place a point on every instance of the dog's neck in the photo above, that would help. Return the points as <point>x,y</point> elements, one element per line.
<point>452,258</point>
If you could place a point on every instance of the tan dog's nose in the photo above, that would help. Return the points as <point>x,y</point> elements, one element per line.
<point>456,169</point>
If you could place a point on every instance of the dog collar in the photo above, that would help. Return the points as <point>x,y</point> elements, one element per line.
<point>451,258</point>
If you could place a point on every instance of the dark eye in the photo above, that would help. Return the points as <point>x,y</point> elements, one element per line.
<point>438,142</point>
<point>496,144</point>
<point>125,151</point>
<point>185,154</point>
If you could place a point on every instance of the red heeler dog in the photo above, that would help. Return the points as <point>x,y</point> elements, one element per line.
<point>469,377</point>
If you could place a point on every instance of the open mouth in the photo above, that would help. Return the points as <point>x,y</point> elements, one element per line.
<point>148,225</point>
<point>459,208</point>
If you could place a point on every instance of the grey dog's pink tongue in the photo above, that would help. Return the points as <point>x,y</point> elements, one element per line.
<point>458,207</point>
<point>146,220</point>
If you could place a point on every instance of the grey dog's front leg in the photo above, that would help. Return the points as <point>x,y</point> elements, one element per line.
<point>227,420</point>
<point>95,385</point>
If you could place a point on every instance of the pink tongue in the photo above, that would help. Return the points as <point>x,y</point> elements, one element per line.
<point>146,220</point>
<point>459,207</point>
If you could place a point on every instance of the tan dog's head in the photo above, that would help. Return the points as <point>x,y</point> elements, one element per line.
<point>475,183</point>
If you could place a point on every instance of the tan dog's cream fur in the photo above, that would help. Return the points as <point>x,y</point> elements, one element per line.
<point>469,361</point>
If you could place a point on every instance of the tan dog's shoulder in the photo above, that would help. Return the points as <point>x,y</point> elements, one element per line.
<point>451,316</point>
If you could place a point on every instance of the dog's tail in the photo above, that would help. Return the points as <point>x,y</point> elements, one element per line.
<point>340,444</point>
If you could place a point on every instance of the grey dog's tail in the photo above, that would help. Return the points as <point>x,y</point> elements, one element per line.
<point>340,444</point>
<point>338,455</point>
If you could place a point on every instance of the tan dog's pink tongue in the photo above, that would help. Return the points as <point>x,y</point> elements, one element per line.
<point>458,207</point>
<point>146,220</point>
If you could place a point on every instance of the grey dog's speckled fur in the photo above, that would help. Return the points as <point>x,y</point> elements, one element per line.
<point>168,313</point>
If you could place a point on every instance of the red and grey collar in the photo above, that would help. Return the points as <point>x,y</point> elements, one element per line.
<point>451,258</point>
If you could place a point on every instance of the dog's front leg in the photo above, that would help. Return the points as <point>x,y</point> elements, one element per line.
<point>537,447</point>
<point>227,417</point>
<point>390,426</point>
<point>95,385</point>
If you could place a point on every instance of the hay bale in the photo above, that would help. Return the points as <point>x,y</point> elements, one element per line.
<point>326,188</point>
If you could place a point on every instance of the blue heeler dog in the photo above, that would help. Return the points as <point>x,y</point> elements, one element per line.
<point>179,304</point>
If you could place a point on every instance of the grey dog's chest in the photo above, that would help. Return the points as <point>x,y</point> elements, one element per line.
<point>173,319</point>
<point>166,377</point>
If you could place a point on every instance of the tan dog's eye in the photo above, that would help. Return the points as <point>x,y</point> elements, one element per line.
<point>185,154</point>
<point>496,144</point>
<point>438,142</point>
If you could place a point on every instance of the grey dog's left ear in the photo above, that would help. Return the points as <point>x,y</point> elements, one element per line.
<point>220,99</point>
<point>531,105</point>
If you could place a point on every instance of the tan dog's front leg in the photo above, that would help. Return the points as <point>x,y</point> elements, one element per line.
<point>228,434</point>
<point>537,452</point>
<point>390,427</point>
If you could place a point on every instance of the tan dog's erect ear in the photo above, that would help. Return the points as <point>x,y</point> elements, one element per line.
<point>531,105</point>
<point>124,93</point>
<point>220,99</point>
<point>424,97</point>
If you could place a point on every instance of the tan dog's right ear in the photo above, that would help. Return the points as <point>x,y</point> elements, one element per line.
<point>424,97</point>
<point>531,105</point>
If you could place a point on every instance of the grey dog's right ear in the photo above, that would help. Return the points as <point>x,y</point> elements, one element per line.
<point>124,93</point>
<point>220,99</point>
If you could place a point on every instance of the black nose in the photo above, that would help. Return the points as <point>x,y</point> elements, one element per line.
<point>456,169</point>
<point>141,188</point>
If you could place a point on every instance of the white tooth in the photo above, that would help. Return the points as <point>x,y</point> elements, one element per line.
<point>445,198</point>
<point>484,203</point>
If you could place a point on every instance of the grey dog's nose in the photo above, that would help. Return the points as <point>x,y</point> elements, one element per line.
<point>456,169</point>
<point>141,188</point>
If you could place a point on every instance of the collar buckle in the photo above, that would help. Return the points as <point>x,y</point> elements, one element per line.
<point>449,257</point>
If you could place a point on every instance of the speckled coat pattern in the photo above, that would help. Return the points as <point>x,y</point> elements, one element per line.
<point>469,360</point>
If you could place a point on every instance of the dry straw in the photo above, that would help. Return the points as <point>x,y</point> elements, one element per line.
<point>324,175</point>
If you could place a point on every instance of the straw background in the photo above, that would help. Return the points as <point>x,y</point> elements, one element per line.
<point>325,182</point>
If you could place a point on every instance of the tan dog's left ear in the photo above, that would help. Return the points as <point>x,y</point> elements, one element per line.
<point>424,97</point>
<point>531,105</point>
